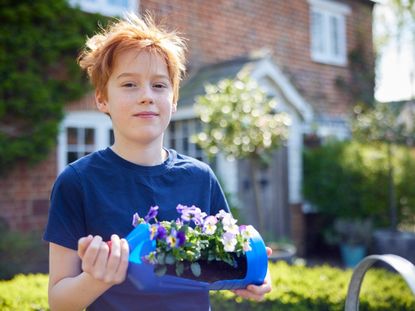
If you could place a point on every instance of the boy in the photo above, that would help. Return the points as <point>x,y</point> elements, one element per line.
<point>135,68</point>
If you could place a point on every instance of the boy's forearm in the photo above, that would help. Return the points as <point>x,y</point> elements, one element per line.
<point>76,293</point>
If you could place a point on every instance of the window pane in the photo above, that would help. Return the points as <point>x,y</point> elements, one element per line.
<point>72,156</point>
<point>89,136</point>
<point>317,32</point>
<point>72,135</point>
<point>172,143</point>
<point>111,137</point>
<point>334,29</point>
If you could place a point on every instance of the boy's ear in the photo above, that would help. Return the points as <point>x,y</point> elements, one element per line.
<point>100,101</point>
<point>174,108</point>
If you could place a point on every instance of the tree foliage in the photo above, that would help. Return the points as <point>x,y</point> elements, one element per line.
<point>239,120</point>
<point>384,122</point>
<point>39,43</point>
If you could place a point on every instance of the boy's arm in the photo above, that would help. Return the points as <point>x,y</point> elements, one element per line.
<point>76,279</point>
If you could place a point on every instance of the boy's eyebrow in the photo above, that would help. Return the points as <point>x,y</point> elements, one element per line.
<point>132,74</point>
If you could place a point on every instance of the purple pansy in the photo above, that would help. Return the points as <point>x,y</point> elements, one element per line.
<point>152,213</point>
<point>176,238</point>
<point>194,214</point>
<point>161,232</point>
<point>181,238</point>
<point>136,220</point>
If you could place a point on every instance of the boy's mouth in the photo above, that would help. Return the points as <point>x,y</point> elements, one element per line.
<point>146,114</point>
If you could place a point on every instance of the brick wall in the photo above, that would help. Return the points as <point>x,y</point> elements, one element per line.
<point>223,30</point>
<point>25,191</point>
<point>24,195</point>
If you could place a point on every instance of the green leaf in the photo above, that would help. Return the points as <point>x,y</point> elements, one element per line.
<point>195,267</point>
<point>160,270</point>
<point>179,268</point>
<point>161,258</point>
<point>170,259</point>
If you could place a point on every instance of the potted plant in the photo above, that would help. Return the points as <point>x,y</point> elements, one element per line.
<point>353,237</point>
<point>195,250</point>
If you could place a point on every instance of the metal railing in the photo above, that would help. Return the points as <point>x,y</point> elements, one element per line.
<point>401,265</point>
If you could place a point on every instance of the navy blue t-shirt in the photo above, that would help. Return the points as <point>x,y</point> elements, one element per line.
<point>98,195</point>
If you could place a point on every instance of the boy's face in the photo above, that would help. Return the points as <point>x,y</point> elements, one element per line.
<point>139,98</point>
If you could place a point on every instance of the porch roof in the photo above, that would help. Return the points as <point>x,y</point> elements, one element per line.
<point>211,74</point>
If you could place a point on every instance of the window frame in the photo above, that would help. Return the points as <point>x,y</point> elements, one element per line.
<point>101,124</point>
<point>193,126</point>
<point>329,10</point>
<point>105,8</point>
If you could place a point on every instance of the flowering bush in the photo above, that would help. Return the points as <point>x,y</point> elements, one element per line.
<point>194,237</point>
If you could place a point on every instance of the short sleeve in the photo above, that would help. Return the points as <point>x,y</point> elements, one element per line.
<point>66,222</point>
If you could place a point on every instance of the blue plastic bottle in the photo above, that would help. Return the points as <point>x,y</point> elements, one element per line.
<point>142,274</point>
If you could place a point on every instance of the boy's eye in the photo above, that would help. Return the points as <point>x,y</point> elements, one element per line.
<point>159,85</point>
<point>129,84</point>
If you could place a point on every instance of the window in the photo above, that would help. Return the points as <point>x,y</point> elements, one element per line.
<point>178,137</point>
<point>107,7</point>
<point>82,133</point>
<point>328,32</point>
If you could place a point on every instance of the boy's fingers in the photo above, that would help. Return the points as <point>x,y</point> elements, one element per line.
<point>100,264</point>
<point>91,253</point>
<point>123,265</point>
<point>114,254</point>
<point>247,294</point>
<point>269,251</point>
<point>83,244</point>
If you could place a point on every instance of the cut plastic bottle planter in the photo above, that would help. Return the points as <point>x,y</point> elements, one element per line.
<point>251,268</point>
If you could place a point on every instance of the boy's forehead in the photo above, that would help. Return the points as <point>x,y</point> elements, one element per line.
<point>139,62</point>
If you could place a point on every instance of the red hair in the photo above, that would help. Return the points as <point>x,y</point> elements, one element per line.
<point>101,50</point>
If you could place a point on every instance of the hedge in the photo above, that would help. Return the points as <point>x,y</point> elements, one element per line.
<point>39,43</point>
<point>350,180</point>
<point>295,288</point>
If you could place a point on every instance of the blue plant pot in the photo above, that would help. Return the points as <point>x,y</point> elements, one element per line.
<point>254,267</point>
<point>352,254</point>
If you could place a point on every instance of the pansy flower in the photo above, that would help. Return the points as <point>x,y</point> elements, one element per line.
<point>229,224</point>
<point>209,225</point>
<point>229,241</point>
<point>152,213</point>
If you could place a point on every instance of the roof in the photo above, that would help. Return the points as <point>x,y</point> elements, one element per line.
<point>211,74</point>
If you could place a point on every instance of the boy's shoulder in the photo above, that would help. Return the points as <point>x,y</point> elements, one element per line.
<point>84,164</point>
<point>182,160</point>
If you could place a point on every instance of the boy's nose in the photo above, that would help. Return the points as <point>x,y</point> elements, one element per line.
<point>146,96</point>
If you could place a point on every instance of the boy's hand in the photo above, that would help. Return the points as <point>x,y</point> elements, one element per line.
<point>102,263</point>
<point>257,292</point>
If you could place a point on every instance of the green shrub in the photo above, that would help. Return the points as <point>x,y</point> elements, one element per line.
<point>298,288</point>
<point>24,292</point>
<point>295,288</point>
<point>350,180</point>
<point>39,43</point>
<point>15,250</point>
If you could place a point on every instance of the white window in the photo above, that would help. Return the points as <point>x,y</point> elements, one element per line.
<point>82,133</point>
<point>178,137</point>
<point>328,32</point>
<point>107,7</point>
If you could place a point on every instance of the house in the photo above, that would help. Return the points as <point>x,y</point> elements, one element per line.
<point>297,51</point>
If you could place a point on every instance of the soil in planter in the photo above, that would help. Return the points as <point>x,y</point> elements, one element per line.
<point>212,271</point>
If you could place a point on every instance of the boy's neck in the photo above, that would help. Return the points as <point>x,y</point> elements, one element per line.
<point>145,156</point>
